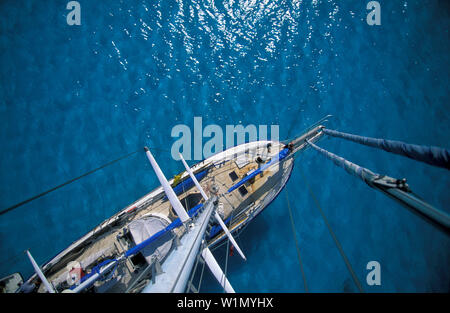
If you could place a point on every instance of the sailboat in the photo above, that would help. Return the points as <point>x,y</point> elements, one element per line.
<point>154,244</point>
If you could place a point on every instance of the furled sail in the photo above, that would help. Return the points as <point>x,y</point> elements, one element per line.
<point>431,155</point>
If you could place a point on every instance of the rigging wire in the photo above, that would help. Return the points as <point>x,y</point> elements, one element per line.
<point>13,259</point>
<point>201,276</point>
<point>336,241</point>
<point>70,181</point>
<point>198,257</point>
<point>227,251</point>
<point>296,241</point>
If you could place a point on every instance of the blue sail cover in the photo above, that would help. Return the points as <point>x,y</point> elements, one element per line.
<point>188,183</point>
<point>136,249</point>
<point>215,229</point>
<point>431,155</point>
<point>278,158</point>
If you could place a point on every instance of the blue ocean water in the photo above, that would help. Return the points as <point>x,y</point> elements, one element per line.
<point>75,97</point>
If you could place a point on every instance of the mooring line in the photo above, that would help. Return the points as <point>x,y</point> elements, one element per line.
<point>296,242</point>
<point>336,241</point>
<point>71,181</point>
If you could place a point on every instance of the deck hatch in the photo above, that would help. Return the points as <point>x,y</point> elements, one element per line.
<point>242,190</point>
<point>233,176</point>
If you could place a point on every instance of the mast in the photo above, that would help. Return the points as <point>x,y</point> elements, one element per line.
<point>178,265</point>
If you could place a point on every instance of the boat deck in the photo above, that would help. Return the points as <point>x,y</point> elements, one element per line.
<point>238,206</point>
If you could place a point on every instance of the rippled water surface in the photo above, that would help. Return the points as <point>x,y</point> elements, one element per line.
<point>75,97</point>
